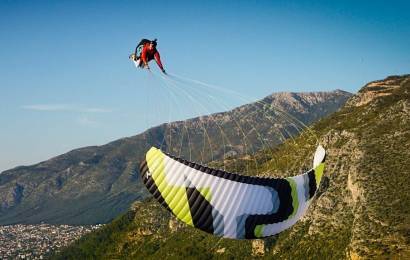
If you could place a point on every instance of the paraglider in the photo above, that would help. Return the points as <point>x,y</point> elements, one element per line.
<point>222,203</point>
<point>146,51</point>
<point>228,204</point>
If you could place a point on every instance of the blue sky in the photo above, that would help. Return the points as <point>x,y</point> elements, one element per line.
<point>66,81</point>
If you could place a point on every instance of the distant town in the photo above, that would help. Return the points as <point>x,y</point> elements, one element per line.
<point>35,241</point>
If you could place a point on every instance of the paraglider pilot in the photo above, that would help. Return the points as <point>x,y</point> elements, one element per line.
<point>146,51</point>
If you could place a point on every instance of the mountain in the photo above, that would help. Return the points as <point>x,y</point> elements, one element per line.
<point>94,184</point>
<point>361,211</point>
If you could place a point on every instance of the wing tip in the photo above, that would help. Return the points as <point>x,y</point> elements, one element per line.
<point>320,156</point>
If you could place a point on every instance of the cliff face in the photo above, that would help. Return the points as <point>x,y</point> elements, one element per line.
<point>95,184</point>
<point>362,208</point>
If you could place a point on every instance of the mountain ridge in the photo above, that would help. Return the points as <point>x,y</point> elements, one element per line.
<point>94,184</point>
<point>361,210</point>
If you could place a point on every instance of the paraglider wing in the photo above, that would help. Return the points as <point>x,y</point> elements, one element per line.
<point>228,204</point>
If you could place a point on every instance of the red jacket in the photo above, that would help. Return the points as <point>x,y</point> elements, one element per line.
<point>147,55</point>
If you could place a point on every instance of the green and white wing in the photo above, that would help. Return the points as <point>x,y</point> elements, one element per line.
<point>228,204</point>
